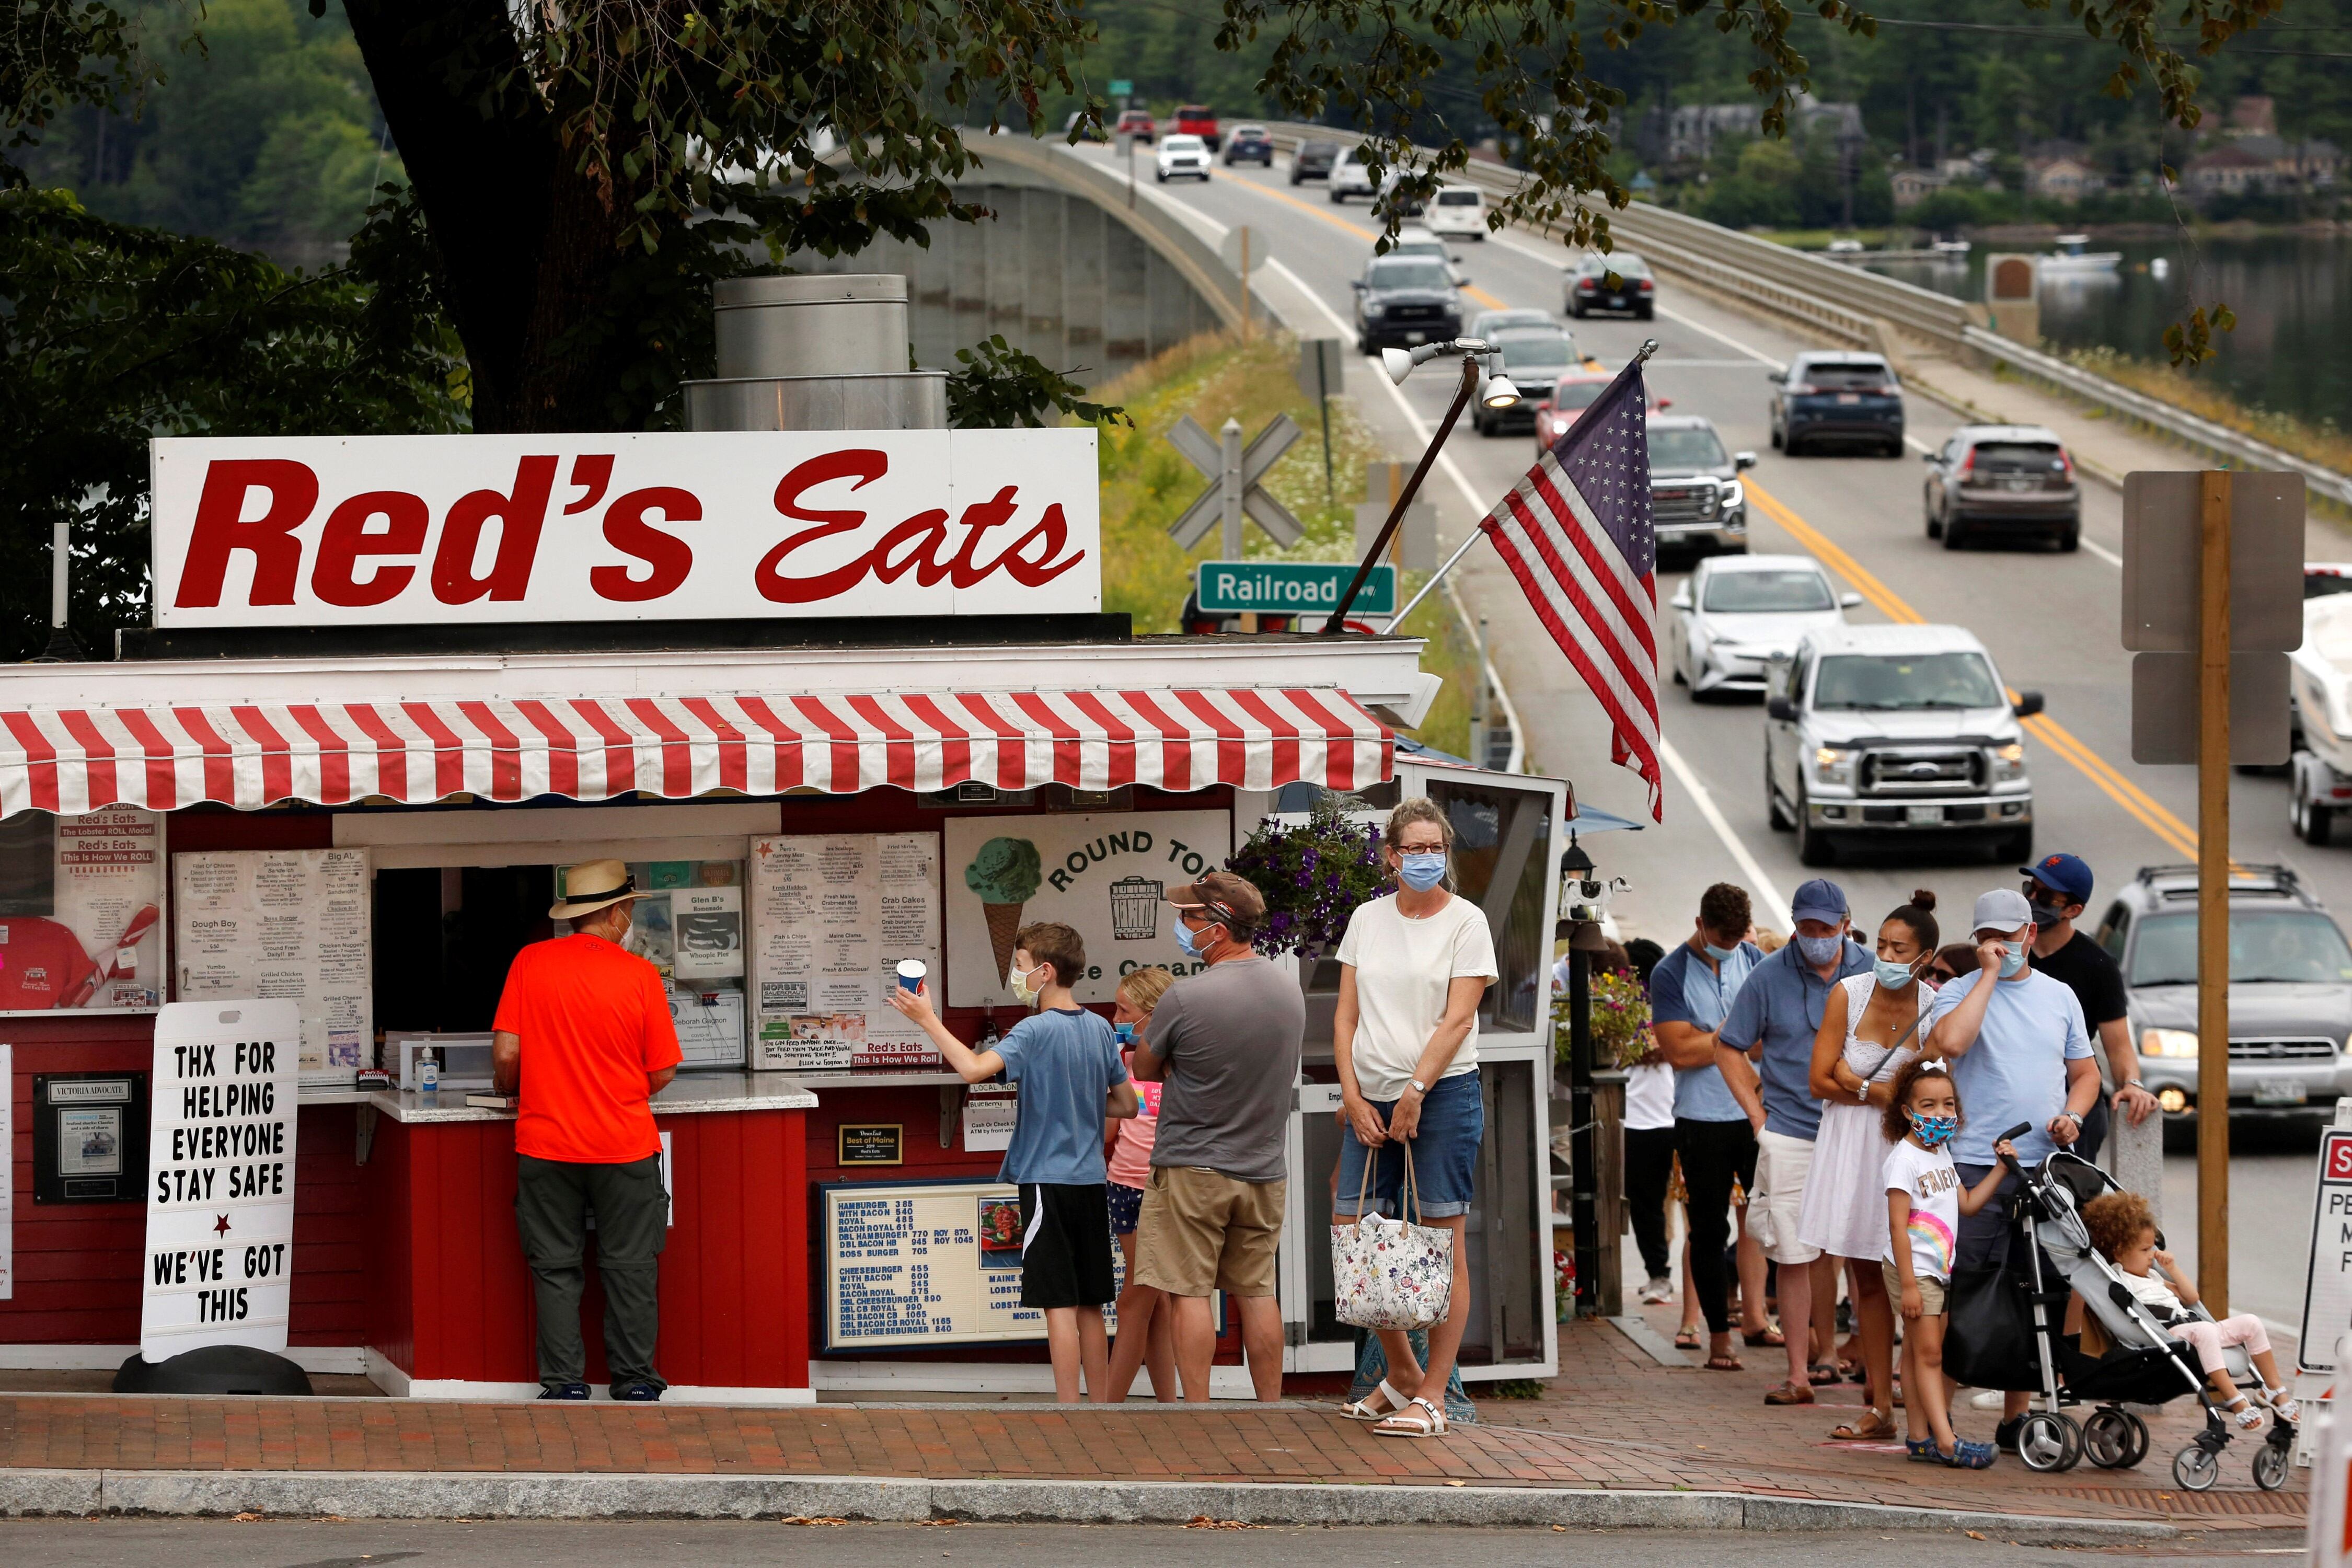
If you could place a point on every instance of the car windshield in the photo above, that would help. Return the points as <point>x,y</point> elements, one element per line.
<point>2018,456</point>
<point>1535,353</point>
<point>1906,680</point>
<point>1836,376</point>
<point>1686,447</point>
<point>1181,143</point>
<point>1577,394</point>
<point>1457,198</point>
<point>1258,130</point>
<point>1319,149</point>
<point>2290,946</point>
<point>1793,590</point>
<point>1623,263</point>
<point>1410,272</point>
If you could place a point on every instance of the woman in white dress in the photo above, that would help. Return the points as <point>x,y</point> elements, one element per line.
<point>1870,1028</point>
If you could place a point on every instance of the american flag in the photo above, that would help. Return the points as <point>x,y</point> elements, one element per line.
<point>1576,533</point>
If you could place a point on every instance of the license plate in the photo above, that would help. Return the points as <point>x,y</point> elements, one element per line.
<point>2019,483</point>
<point>2279,1091</point>
<point>1415,337</point>
<point>1849,397</point>
<point>1923,815</point>
<point>1616,301</point>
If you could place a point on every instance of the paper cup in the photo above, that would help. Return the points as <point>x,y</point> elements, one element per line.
<point>911,973</point>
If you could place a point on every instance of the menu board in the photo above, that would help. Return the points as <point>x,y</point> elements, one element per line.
<point>924,1264</point>
<point>832,916</point>
<point>109,894</point>
<point>287,924</point>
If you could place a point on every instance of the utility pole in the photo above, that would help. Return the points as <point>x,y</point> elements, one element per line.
<point>1478,698</point>
<point>2213,894</point>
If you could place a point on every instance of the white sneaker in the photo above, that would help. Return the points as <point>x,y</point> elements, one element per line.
<point>1657,1292</point>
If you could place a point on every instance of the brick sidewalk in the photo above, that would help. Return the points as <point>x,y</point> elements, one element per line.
<point>1616,1419</point>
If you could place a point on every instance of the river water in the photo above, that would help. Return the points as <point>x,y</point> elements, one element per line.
<point>2292,296</point>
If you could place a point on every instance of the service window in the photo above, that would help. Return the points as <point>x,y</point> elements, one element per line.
<point>81,911</point>
<point>1502,842</point>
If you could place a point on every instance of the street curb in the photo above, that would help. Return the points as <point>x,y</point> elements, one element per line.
<point>482,1495</point>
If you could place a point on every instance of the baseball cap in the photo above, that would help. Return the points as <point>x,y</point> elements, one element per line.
<point>2067,874</point>
<point>1820,900</point>
<point>1226,897</point>
<point>2004,909</point>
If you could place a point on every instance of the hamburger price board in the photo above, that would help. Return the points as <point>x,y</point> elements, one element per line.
<point>218,1263</point>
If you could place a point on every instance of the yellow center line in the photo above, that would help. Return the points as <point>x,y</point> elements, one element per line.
<point>1336,221</point>
<point>2175,833</point>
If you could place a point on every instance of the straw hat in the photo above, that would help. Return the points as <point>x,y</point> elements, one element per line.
<point>591,886</point>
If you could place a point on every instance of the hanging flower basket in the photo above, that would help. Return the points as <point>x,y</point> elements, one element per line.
<point>1312,877</point>
<point>1621,1021</point>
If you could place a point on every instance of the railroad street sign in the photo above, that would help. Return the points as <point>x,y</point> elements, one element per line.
<point>1233,490</point>
<point>1291,587</point>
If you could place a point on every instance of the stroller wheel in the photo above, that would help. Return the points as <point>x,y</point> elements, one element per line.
<point>2196,1467</point>
<point>2270,1467</point>
<point>2049,1441</point>
<point>2107,1438</point>
<point>2139,1438</point>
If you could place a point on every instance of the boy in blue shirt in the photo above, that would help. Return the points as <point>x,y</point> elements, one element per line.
<point>1066,1061</point>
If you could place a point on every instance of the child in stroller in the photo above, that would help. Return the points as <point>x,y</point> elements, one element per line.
<point>2124,1233</point>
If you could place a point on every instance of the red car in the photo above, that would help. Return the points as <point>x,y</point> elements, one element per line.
<point>1136,122</point>
<point>1198,120</point>
<point>1558,405</point>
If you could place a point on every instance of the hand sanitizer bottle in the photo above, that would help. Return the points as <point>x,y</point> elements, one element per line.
<point>428,1077</point>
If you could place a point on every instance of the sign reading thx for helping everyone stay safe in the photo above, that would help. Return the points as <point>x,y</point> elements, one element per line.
<point>220,1185</point>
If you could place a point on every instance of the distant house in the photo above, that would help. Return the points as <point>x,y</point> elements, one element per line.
<point>2253,116</point>
<point>1913,186</point>
<point>2312,165</point>
<point>2061,179</point>
<point>1696,129</point>
<point>2228,170</point>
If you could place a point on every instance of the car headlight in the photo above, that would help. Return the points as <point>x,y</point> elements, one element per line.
<point>2009,762</point>
<point>2175,1044</point>
<point>1834,764</point>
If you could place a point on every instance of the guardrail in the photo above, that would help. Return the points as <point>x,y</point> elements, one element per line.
<point>1850,303</point>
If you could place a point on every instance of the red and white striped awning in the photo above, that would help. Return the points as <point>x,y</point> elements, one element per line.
<point>74,760</point>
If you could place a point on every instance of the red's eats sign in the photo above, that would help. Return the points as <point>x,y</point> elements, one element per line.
<point>454,528</point>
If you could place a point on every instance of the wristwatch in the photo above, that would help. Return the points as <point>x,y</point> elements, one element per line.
<point>1862,1093</point>
<point>2134,1083</point>
<point>2073,1115</point>
<point>1420,1088</point>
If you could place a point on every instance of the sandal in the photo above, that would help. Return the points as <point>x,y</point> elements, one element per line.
<point>1771,1338</point>
<point>2283,1405</point>
<point>1876,1427</point>
<point>2242,1413</point>
<point>1687,1339</point>
<point>1852,1370</point>
<point>1821,1375</point>
<point>1726,1362</point>
<point>1419,1418</point>
<point>1788,1393</point>
<point>1921,1450</point>
<point>1967,1456</point>
<point>1361,1409</point>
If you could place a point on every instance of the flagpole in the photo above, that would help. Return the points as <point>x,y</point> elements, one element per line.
<point>1405,497</point>
<point>1649,347</point>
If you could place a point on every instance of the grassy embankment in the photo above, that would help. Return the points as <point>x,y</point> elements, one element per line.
<point>1146,484</point>
<point>2323,442</point>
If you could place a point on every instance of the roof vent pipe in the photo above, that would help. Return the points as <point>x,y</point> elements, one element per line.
<point>825,352</point>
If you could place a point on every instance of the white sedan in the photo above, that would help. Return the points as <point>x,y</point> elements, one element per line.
<point>1736,612</point>
<point>1182,157</point>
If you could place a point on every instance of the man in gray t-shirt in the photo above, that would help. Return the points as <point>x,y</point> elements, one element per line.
<point>1225,1044</point>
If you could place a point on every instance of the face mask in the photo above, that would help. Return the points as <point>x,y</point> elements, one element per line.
<point>1720,954</point>
<point>1023,991</point>
<point>1933,1131</point>
<point>1422,871</point>
<point>2046,915</point>
<point>1820,948</point>
<point>1188,940</point>
<point>2012,958</point>
<point>1893,975</point>
<point>1126,1033</point>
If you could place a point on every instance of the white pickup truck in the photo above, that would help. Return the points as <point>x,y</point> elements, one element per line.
<point>1879,734</point>
<point>2319,686</point>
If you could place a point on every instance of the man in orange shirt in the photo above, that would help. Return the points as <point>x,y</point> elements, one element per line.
<point>584,1039</point>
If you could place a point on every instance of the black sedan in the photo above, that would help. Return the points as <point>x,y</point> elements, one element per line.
<point>1313,160</point>
<point>1824,399</point>
<point>1401,301</point>
<point>1620,280</point>
<point>1249,144</point>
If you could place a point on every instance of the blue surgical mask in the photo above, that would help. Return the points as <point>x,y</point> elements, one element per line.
<point>1422,871</point>
<point>1185,940</point>
<point>1893,977</point>
<point>1721,954</point>
<point>1933,1131</point>
<point>1126,1033</point>
<point>1819,950</point>
<point>2012,958</point>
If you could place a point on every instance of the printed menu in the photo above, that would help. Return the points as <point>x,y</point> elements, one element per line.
<point>916,1264</point>
<point>833,914</point>
<point>283,924</point>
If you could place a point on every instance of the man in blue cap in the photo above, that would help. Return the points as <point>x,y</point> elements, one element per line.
<point>2059,889</point>
<point>1765,1051</point>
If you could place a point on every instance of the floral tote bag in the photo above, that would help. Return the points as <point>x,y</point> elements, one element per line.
<point>1391,1273</point>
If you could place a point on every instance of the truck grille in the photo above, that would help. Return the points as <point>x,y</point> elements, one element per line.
<point>2282,1050</point>
<point>1920,771</point>
<point>1414,313</point>
<point>1684,502</point>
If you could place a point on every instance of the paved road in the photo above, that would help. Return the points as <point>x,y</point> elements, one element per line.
<point>2050,620</point>
<point>300,1544</point>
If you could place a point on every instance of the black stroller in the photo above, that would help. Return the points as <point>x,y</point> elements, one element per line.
<point>2142,1365</point>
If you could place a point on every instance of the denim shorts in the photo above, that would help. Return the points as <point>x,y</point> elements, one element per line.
<point>1444,1155</point>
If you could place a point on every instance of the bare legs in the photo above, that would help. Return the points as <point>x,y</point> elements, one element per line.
<point>1196,1345</point>
<point>1874,1320</point>
<point>1074,1337</point>
<point>1147,1337</point>
<point>1408,1376</point>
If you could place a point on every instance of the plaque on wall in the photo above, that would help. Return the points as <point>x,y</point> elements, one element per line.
<point>870,1144</point>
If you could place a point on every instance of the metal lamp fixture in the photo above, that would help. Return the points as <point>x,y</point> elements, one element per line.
<point>1498,392</point>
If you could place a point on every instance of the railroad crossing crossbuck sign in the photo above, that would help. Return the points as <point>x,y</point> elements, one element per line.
<point>1233,490</point>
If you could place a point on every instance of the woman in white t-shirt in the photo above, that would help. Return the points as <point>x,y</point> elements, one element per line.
<point>1412,968</point>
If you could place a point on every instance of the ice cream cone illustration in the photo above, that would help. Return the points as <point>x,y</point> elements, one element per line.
<point>1005,874</point>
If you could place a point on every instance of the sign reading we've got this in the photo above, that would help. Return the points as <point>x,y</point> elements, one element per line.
<point>220,1185</point>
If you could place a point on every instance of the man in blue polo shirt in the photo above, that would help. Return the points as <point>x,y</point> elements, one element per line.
<point>1766,1052</point>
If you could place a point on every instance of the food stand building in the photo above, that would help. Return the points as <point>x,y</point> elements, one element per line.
<point>396,686</point>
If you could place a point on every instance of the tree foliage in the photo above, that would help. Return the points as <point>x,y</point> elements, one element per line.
<point>999,387</point>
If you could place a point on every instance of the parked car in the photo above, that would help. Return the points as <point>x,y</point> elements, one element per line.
<point>1618,281</point>
<point>1458,210</point>
<point>1836,398</point>
<point>1198,120</point>
<point>1735,614</point>
<point>1349,177</point>
<point>2290,989</point>
<point>1313,160</point>
<point>1487,323</point>
<point>1572,395</point>
<point>1895,733</point>
<point>1182,158</point>
<point>1405,300</point>
<point>1135,122</point>
<point>2006,478</point>
<point>1535,358</point>
<point>1696,501</point>
<point>1249,144</point>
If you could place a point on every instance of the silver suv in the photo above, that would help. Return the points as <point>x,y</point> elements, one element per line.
<point>2290,988</point>
<point>1889,735</point>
